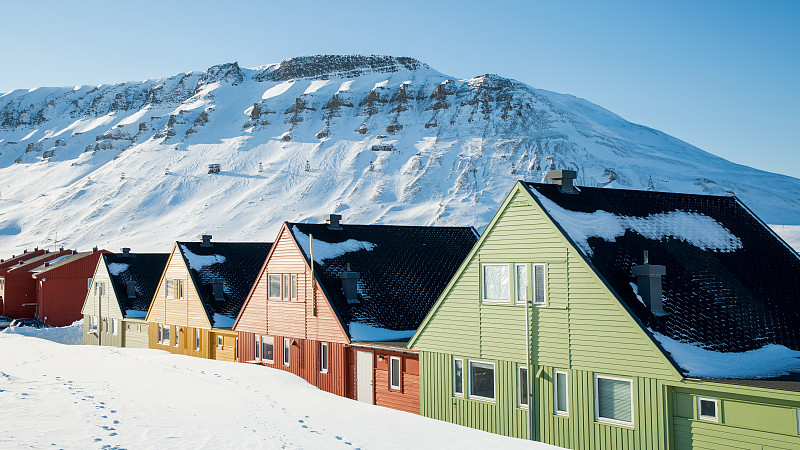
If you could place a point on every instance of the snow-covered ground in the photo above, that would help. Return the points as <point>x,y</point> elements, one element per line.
<point>76,396</point>
<point>789,233</point>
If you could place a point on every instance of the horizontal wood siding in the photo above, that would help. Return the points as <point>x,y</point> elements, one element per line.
<point>186,343</point>
<point>135,333</point>
<point>407,397</point>
<point>187,311</point>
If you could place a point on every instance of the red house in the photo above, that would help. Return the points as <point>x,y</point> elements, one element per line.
<point>17,286</point>
<point>62,285</point>
<point>335,304</point>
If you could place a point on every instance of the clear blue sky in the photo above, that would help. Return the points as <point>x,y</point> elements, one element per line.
<point>721,75</point>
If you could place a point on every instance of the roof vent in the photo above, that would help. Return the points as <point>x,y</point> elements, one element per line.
<point>47,264</point>
<point>126,252</point>
<point>94,250</point>
<point>648,279</point>
<point>206,238</point>
<point>333,221</point>
<point>350,285</point>
<point>217,285</point>
<point>25,251</point>
<point>564,180</point>
<point>130,287</point>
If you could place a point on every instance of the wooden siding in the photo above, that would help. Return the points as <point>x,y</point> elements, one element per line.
<point>407,397</point>
<point>104,307</point>
<point>187,311</point>
<point>62,290</point>
<point>134,333</point>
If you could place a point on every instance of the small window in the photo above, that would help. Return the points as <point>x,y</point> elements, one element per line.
<point>105,326</point>
<point>138,328</point>
<point>179,288</point>
<point>286,289</point>
<point>257,348</point>
<point>236,349</point>
<point>177,335</point>
<point>286,348</point>
<point>522,386</point>
<point>88,283</point>
<point>495,283</point>
<point>268,349</point>
<point>707,409</point>
<point>169,287</point>
<point>394,372</point>
<point>294,286</point>
<point>127,327</point>
<point>93,323</point>
<point>614,400</point>
<point>521,283</point>
<point>539,286</point>
<point>458,377</point>
<point>323,357</point>
<point>165,341</point>
<point>274,286</point>
<point>197,339</point>
<point>219,341</point>
<point>481,380</point>
<point>561,393</point>
<point>160,335</point>
<point>115,327</point>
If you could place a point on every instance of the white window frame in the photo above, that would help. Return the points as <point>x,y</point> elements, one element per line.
<point>272,340</point>
<point>220,341</point>
<point>493,301</point>
<point>88,283</point>
<point>256,347</point>
<point>287,351</point>
<point>471,384</point>
<point>138,328</point>
<point>517,299</point>
<point>178,288</point>
<point>169,288</point>
<point>197,339</point>
<point>556,411</point>
<point>520,368</point>
<point>159,333</point>
<point>115,327</point>
<point>597,417</point>
<point>293,287</point>
<point>269,283</point>
<point>714,418</point>
<point>105,326</point>
<point>165,336</point>
<point>286,281</point>
<point>323,357</point>
<point>392,360</point>
<point>458,394</point>
<point>798,420</point>
<point>93,324</point>
<point>533,284</point>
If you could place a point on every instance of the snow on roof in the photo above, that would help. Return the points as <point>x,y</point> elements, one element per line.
<point>117,268</point>
<point>369,333</point>
<point>693,228</point>
<point>325,250</point>
<point>198,262</point>
<point>769,361</point>
<point>51,262</point>
<point>221,321</point>
<point>135,314</point>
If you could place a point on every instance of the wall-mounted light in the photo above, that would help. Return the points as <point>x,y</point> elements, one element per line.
<point>380,357</point>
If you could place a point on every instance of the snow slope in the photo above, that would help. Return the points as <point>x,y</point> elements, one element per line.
<point>60,396</point>
<point>376,139</point>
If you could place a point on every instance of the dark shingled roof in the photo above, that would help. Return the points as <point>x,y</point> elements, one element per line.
<point>144,269</point>
<point>239,269</point>
<point>400,277</point>
<point>723,300</point>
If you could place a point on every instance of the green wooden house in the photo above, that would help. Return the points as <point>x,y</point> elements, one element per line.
<point>119,295</point>
<point>607,319</point>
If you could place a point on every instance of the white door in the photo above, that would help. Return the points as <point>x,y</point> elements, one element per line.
<point>364,376</point>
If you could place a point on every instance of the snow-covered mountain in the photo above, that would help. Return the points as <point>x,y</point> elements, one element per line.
<point>374,138</point>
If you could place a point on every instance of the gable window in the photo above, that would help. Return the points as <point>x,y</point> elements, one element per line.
<point>169,287</point>
<point>707,409</point>
<point>458,377</point>
<point>274,286</point>
<point>613,400</point>
<point>197,339</point>
<point>219,341</point>
<point>257,348</point>
<point>294,286</point>
<point>115,326</point>
<point>286,282</point>
<point>268,349</point>
<point>323,357</point>
<point>394,372</point>
<point>522,386</point>
<point>481,380</point>
<point>178,288</point>
<point>165,335</point>
<point>539,287</point>
<point>92,324</point>
<point>88,283</point>
<point>560,393</point>
<point>521,283</point>
<point>494,278</point>
<point>99,289</point>
<point>286,347</point>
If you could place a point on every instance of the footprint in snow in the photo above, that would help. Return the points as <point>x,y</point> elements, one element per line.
<point>338,438</point>
<point>115,422</point>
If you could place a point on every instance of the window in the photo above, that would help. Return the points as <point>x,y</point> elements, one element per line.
<point>197,339</point>
<point>521,282</point>
<point>160,334</point>
<point>495,283</point>
<point>294,286</point>
<point>394,372</point>
<point>286,289</point>
<point>99,289</point>
<point>105,325</point>
<point>274,286</point>
<point>88,283</point>
<point>92,324</point>
<point>458,377</point>
<point>177,335</point>
<point>481,380</point>
<point>539,287</point>
<point>138,328</point>
<point>707,409</point>
<point>323,357</point>
<point>257,348</point>
<point>127,327</point>
<point>522,386</point>
<point>178,288</point>
<point>165,335</point>
<point>219,341</point>
<point>286,348</point>
<point>169,287</point>
<point>613,400</point>
<point>268,349</point>
<point>561,393</point>
<point>115,326</point>
<point>236,350</point>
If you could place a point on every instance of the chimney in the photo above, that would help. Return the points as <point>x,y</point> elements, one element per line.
<point>36,249</point>
<point>217,285</point>
<point>350,285</point>
<point>47,264</point>
<point>206,238</point>
<point>94,250</point>
<point>131,288</point>
<point>126,252</point>
<point>333,221</point>
<point>648,279</point>
<point>61,249</point>
<point>564,180</point>
<point>25,251</point>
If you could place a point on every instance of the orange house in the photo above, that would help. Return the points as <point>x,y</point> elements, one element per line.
<point>342,322</point>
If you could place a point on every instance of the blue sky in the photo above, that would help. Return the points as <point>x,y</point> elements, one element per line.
<point>721,75</point>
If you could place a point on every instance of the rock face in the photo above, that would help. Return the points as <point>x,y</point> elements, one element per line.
<point>375,138</point>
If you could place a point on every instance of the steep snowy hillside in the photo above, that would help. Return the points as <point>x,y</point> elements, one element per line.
<point>377,139</point>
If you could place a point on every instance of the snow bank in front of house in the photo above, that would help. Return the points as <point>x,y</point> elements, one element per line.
<point>696,229</point>
<point>326,250</point>
<point>769,361</point>
<point>69,335</point>
<point>199,262</point>
<point>117,268</point>
<point>369,333</point>
<point>221,321</point>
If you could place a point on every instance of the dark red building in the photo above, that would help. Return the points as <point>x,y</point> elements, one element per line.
<point>17,286</point>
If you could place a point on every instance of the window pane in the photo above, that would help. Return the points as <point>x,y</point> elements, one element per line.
<point>522,283</point>
<point>523,386</point>
<point>495,282</point>
<point>323,357</point>
<point>286,286</point>
<point>561,392</point>
<point>458,377</point>
<point>294,287</point>
<point>166,335</point>
<point>614,399</point>
<point>538,283</point>
<point>481,381</point>
<point>274,286</point>
<point>286,352</point>
<point>395,369</point>
<point>170,289</point>
<point>267,348</point>
<point>708,408</point>
<point>196,339</point>
<point>257,348</point>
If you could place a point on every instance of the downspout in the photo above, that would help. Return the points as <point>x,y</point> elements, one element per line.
<point>530,368</point>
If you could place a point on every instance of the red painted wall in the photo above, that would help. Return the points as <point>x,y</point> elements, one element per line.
<point>61,291</point>
<point>404,399</point>
<point>19,287</point>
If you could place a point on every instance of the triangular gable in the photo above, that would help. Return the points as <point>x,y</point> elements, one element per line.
<point>159,300</point>
<point>101,273</point>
